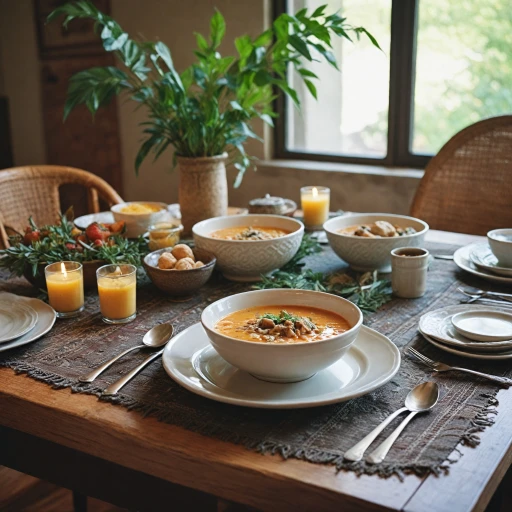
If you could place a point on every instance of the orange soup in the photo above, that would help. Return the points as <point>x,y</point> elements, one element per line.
<point>249,233</point>
<point>282,324</point>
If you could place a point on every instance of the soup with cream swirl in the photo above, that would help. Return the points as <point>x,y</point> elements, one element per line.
<point>282,324</point>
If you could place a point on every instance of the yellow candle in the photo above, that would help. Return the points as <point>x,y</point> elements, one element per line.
<point>315,205</point>
<point>117,291</point>
<point>65,285</point>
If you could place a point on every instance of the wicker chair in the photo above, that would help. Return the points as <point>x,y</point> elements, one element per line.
<point>467,186</point>
<point>34,190</point>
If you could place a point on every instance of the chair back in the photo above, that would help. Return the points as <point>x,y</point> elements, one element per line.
<point>34,191</point>
<point>467,186</point>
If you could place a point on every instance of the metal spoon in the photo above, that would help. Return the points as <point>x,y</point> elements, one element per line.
<point>415,396</point>
<point>421,399</point>
<point>483,293</point>
<point>155,337</point>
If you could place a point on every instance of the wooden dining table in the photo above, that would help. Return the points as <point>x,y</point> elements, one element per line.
<point>117,455</point>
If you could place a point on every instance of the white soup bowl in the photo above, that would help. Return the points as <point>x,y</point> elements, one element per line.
<point>365,254</point>
<point>247,260</point>
<point>500,241</point>
<point>278,362</point>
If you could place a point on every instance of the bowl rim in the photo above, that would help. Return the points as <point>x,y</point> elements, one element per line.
<point>300,228</point>
<point>327,228</point>
<point>115,207</point>
<point>211,263</point>
<point>357,325</point>
<point>493,232</point>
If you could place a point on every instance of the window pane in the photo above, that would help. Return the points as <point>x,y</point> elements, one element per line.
<point>350,116</point>
<point>463,68</point>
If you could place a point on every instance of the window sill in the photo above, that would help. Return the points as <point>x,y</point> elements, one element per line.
<point>310,165</point>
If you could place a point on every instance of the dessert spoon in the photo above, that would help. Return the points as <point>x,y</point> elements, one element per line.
<point>416,396</point>
<point>156,337</point>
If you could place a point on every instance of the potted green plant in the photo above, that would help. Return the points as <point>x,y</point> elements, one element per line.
<point>205,111</point>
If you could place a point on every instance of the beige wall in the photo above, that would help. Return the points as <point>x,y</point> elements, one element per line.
<point>174,22</point>
<point>19,62</point>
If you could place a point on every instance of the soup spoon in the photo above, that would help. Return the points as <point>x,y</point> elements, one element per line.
<point>156,337</point>
<point>421,398</point>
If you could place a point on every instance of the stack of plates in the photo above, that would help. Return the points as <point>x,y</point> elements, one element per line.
<point>23,320</point>
<point>491,325</point>
<point>479,260</point>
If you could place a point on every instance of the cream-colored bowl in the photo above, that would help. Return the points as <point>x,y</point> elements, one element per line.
<point>500,241</point>
<point>138,223</point>
<point>247,260</point>
<point>365,254</point>
<point>277,362</point>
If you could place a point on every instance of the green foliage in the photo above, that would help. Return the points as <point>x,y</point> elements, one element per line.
<point>366,290</point>
<point>52,249</point>
<point>206,109</point>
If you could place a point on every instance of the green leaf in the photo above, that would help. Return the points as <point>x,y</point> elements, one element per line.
<point>264,38</point>
<point>371,38</point>
<point>307,72</point>
<point>311,86</point>
<point>300,46</point>
<point>202,44</point>
<point>319,11</point>
<point>244,46</point>
<point>217,29</point>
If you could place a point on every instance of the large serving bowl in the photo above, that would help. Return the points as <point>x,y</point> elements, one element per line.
<point>179,283</point>
<point>247,260</point>
<point>138,223</point>
<point>365,254</point>
<point>277,362</point>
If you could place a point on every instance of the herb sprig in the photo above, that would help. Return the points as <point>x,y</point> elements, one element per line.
<point>366,291</point>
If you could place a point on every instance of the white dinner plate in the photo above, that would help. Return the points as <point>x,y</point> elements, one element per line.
<point>191,361</point>
<point>16,319</point>
<point>471,355</point>
<point>108,217</point>
<point>484,259</point>
<point>462,259</point>
<point>438,325</point>
<point>45,319</point>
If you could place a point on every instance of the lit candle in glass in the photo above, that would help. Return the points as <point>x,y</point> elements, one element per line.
<point>65,284</point>
<point>117,291</point>
<point>315,206</point>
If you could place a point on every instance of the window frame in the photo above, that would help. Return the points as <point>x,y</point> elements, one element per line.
<point>404,17</point>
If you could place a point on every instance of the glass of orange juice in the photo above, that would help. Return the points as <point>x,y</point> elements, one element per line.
<point>117,286</point>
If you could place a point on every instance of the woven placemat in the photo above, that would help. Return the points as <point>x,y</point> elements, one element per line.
<point>319,435</point>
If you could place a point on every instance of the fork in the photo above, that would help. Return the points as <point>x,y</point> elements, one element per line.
<point>437,366</point>
<point>483,293</point>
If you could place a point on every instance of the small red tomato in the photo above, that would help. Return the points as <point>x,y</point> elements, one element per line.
<point>31,236</point>
<point>98,243</point>
<point>70,246</point>
<point>96,231</point>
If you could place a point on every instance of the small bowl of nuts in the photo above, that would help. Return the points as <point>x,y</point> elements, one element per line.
<point>179,270</point>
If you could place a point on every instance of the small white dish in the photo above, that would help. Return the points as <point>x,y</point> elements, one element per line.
<point>192,362</point>
<point>438,325</point>
<point>137,224</point>
<point>486,325</point>
<point>45,319</point>
<point>484,259</point>
<point>16,319</point>
<point>500,241</point>
<point>282,362</point>
<point>462,258</point>
<point>493,356</point>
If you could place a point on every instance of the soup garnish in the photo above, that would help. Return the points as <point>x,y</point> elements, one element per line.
<point>282,324</point>
<point>377,229</point>
<point>249,233</point>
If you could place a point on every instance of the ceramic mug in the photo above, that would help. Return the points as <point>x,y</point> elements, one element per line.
<point>409,272</point>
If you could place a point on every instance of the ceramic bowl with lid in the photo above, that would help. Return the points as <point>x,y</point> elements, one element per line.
<point>272,205</point>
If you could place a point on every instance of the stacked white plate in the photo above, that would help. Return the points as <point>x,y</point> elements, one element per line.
<point>443,330</point>
<point>23,320</point>
<point>478,259</point>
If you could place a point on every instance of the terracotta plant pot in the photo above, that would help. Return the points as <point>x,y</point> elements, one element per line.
<point>203,189</point>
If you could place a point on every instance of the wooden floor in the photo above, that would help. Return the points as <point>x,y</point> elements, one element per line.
<point>23,493</point>
<point>19,492</point>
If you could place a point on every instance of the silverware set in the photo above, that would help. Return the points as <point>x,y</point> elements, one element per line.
<point>485,297</point>
<point>437,366</point>
<point>420,399</point>
<point>156,337</point>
